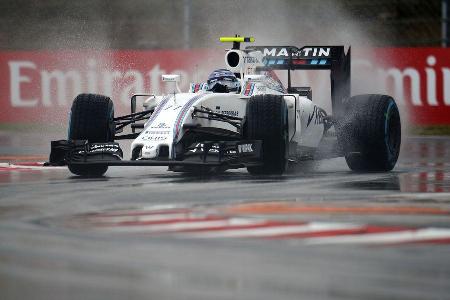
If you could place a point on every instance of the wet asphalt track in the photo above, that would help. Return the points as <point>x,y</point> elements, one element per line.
<point>50,247</point>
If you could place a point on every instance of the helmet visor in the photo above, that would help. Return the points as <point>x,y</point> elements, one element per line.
<point>231,83</point>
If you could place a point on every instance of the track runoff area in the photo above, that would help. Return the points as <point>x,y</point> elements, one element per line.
<point>423,173</point>
<point>320,232</point>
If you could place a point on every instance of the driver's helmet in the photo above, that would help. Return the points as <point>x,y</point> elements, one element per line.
<point>223,81</point>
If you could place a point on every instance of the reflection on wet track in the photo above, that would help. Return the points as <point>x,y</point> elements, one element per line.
<point>431,161</point>
<point>252,220</point>
<point>319,232</point>
<point>424,167</point>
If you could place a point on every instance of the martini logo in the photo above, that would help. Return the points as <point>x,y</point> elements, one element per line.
<point>299,53</point>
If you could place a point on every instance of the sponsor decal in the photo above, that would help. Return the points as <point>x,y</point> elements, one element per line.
<point>103,148</point>
<point>200,148</point>
<point>268,82</point>
<point>196,87</point>
<point>161,125</point>
<point>95,148</point>
<point>245,148</point>
<point>248,91</point>
<point>155,135</point>
<point>250,60</point>
<point>260,88</point>
<point>317,115</point>
<point>304,52</point>
<point>233,113</point>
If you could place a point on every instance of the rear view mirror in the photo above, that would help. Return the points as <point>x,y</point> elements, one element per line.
<point>134,98</point>
<point>171,81</point>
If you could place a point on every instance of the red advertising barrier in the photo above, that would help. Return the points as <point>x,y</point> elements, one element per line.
<point>40,86</point>
<point>418,78</point>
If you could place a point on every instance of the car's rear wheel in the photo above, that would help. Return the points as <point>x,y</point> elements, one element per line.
<point>91,119</point>
<point>370,133</point>
<point>266,120</point>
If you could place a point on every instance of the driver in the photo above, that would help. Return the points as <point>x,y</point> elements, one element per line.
<point>223,81</point>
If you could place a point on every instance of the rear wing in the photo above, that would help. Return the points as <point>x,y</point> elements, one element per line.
<point>331,58</point>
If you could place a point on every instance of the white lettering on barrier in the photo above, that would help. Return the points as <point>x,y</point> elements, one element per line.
<point>399,78</point>
<point>109,79</point>
<point>446,75</point>
<point>431,81</point>
<point>61,83</point>
<point>136,86</point>
<point>16,79</point>
<point>155,77</point>
<point>65,85</point>
<point>91,75</point>
<point>58,87</point>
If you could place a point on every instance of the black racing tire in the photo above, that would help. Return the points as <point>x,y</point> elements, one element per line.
<point>92,119</point>
<point>369,133</point>
<point>88,170</point>
<point>266,120</point>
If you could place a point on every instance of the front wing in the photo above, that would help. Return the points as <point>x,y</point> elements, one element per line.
<point>224,154</point>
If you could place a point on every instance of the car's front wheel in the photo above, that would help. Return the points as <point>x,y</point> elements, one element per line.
<point>91,119</point>
<point>266,120</point>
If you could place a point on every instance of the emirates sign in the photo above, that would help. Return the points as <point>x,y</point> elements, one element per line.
<point>40,86</point>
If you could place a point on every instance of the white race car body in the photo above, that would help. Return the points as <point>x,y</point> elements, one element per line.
<point>264,127</point>
<point>165,126</point>
<point>175,112</point>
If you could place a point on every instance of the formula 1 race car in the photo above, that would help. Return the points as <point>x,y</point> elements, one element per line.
<point>263,126</point>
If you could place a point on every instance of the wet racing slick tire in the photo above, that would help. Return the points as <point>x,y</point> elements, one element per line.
<point>92,119</point>
<point>266,120</point>
<point>370,133</point>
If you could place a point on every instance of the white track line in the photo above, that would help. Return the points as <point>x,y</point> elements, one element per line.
<point>180,226</point>
<point>12,167</point>
<point>113,220</point>
<point>384,238</point>
<point>276,230</point>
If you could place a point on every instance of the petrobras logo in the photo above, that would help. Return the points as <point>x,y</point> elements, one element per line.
<point>300,53</point>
